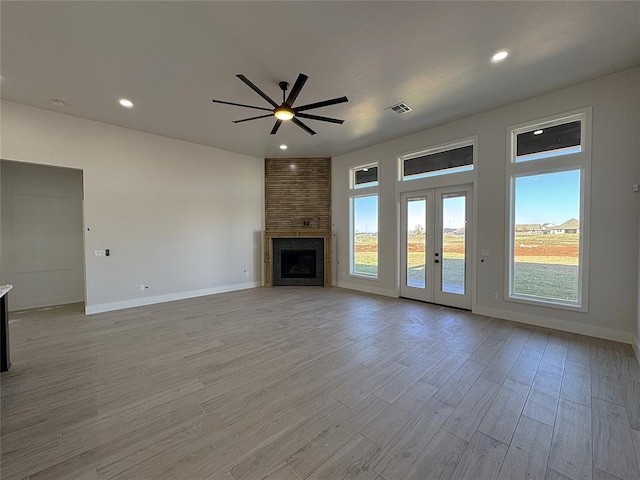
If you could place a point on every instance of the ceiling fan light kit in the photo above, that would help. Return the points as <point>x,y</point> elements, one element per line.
<point>285,111</point>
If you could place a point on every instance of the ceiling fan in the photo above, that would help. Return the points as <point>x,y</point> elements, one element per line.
<point>286,111</point>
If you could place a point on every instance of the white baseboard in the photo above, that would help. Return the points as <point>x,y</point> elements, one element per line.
<point>582,329</point>
<point>368,289</point>
<point>170,297</point>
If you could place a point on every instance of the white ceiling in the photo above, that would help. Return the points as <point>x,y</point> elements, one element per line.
<point>172,58</point>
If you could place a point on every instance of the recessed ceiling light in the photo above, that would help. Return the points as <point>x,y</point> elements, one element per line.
<point>58,103</point>
<point>498,57</point>
<point>283,147</point>
<point>125,102</point>
<point>538,132</point>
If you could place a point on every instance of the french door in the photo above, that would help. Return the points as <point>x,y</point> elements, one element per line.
<point>435,245</point>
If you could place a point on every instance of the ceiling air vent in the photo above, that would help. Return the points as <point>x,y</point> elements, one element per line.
<point>399,108</point>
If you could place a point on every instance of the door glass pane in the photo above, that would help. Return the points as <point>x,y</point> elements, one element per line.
<point>453,243</point>
<point>416,242</point>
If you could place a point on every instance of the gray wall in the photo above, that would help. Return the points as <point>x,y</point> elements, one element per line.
<point>42,240</point>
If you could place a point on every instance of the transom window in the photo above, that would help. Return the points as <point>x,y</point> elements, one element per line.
<point>365,176</point>
<point>441,160</point>
<point>548,139</point>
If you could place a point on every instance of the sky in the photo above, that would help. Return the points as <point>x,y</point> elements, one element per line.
<point>546,198</point>
<point>366,214</point>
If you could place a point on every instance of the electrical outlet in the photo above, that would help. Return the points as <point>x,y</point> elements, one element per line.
<point>144,287</point>
<point>495,295</point>
<point>246,274</point>
<point>99,253</point>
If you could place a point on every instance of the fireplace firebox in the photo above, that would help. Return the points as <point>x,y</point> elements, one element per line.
<point>298,261</point>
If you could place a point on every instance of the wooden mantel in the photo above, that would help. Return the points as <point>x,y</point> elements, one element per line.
<point>297,204</point>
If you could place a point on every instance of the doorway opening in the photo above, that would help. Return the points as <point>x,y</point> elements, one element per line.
<point>42,233</point>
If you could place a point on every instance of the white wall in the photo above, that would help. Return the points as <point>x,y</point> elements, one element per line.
<point>42,240</point>
<point>613,282</point>
<point>182,218</point>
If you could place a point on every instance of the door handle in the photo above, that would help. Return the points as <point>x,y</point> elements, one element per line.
<point>437,261</point>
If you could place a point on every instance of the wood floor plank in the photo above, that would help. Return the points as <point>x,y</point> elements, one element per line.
<point>350,462</point>
<point>467,416</point>
<point>554,358</point>
<point>393,418</point>
<point>482,459</point>
<point>553,475</point>
<point>571,446</point>
<point>438,460</point>
<point>439,374</point>
<point>576,383</point>
<point>613,444</point>
<point>529,450</point>
<point>525,367</point>
<point>601,475</point>
<point>263,459</point>
<point>460,382</point>
<point>502,417</point>
<point>313,454</point>
<point>284,472</point>
<point>396,460</point>
<point>542,403</point>
<point>635,434</point>
<point>399,384</point>
<point>361,390</point>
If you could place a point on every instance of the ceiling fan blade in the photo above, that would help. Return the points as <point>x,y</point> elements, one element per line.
<point>256,89</point>
<point>276,127</point>
<point>303,126</point>
<point>295,91</point>
<point>253,118</point>
<point>326,103</point>
<point>243,105</point>
<point>322,119</point>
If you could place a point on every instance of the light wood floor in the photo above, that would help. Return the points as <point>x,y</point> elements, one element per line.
<point>312,383</point>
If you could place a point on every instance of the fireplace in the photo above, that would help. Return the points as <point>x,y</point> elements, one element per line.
<point>298,264</point>
<point>298,261</point>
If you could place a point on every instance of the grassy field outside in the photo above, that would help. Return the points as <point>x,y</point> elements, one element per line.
<point>545,265</point>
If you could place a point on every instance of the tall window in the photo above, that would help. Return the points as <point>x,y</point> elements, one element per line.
<point>549,168</point>
<point>364,221</point>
